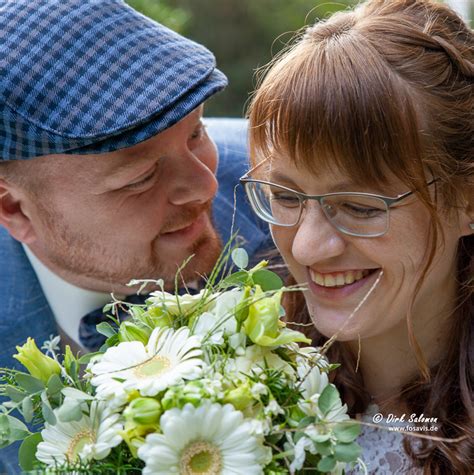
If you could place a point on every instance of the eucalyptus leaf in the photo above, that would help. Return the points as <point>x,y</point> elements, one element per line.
<point>29,383</point>
<point>328,399</point>
<point>106,329</point>
<point>11,429</point>
<point>347,431</point>
<point>347,452</point>
<point>326,464</point>
<point>73,393</point>
<point>235,279</point>
<point>324,448</point>
<point>15,394</point>
<point>27,409</point>
<point>46,409</point>
<point>54,385</point>
<point>240,258</point>
<point>27,452</point>
<point>85,359</point>
<point>267,280</point>
<point>48,414</point>
<point>71,410</point>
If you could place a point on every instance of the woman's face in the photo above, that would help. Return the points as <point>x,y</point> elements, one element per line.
<point>338,270</point>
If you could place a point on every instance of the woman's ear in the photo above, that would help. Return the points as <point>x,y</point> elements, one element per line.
<point>13,202</point>
<point>467,220</point>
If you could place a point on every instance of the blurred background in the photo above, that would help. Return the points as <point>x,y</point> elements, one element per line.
<point>245,34</point>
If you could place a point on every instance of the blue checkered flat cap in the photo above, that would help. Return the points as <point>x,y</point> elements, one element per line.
<point>93,76</point>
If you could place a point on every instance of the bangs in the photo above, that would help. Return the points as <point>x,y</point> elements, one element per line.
<point>333,102</point>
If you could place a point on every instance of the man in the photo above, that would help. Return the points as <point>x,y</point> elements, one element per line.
<point>107,172</point>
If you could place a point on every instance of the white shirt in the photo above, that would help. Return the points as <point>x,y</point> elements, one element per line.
<point>68,302</point>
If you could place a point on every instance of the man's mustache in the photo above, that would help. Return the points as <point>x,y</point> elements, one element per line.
<point>185,217</point>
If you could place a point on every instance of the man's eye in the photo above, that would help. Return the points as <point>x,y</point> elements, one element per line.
<point>142,182</point>
<point>199,131</point>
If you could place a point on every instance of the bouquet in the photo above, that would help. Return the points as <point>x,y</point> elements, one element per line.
<point>211,383</point>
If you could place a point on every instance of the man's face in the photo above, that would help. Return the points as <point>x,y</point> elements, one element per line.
<point>101,220</point>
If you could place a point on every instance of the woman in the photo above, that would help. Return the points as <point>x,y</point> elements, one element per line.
<point>371,114</point>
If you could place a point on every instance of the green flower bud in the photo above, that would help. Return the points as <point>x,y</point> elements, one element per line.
<point>129,331</point>
<point>193,392</point>
<point>263,325</point>
<point>37,363</point>
<point>144,411</point>
<point>240,397</point>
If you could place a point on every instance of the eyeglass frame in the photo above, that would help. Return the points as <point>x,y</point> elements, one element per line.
<point>303,197</point>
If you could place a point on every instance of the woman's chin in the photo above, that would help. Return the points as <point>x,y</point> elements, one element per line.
<point>334,323</point>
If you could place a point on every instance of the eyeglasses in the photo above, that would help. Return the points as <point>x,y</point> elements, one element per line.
<point>355,214</point>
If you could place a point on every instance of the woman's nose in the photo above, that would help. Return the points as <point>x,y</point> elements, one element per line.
<point>316,239</point>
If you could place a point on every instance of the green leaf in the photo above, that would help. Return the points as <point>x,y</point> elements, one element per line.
<point>235,279</point>
<point>85,359</point>
<point>347,431</point>
<point>73,393</point>
<point>27,452</point>
<point>267,280</point>
<point>54,385</point>
<point>347,452</point>
<point>320,437</point>
<point>27,409</point>
<point>240,258</point>
<point>15,394</point>
<point>11,429</point>
<point>106,329</point>
<point>328,398</point>
<point>326,464</point>
<point>29,383</point>
<point>71,410</point>
<point>324,448</point>
<point>46,410</point>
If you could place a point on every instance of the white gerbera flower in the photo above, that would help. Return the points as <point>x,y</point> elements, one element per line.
<point>312,386</point>
<point>92,437</point>
<point>210,439</point>
<point>168,358</point>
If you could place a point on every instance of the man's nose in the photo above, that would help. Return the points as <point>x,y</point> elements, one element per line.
<point>316,239</point>
<point>192,181</point>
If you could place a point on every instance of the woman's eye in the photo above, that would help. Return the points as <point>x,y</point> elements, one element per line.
<point>360,211</point>
<point>285,199</point>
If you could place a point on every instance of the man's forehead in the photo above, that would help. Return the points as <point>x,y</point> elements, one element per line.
<point>118,161</point>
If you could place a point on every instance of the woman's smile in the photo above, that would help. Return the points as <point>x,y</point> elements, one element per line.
<point>339,284</point>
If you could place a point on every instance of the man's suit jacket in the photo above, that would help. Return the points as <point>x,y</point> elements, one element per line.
<point>24,310</point>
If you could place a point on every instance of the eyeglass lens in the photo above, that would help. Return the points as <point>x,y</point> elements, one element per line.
<point>350,213</point>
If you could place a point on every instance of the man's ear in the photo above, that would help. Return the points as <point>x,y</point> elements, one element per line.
<point>13,217</point>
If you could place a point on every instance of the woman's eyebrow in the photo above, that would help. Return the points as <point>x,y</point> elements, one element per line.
<point>280,178</point>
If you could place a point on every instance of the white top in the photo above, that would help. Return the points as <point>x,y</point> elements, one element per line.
<point>382,449</point>
<point>68,302</point>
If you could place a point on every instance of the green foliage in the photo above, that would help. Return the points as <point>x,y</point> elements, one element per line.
<point>244,35</point>
<point>161,11</point>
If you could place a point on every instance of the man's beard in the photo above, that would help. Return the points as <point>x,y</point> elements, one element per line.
<point>82,256</point>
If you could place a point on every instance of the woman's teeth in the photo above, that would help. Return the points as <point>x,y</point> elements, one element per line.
<point>339,278</point>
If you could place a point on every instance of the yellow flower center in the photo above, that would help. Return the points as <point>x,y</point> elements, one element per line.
<point>78,442</point>
<point>201,458</point>
<point>152,367</point>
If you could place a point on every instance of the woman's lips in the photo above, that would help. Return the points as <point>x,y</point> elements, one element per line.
<point>339,284</point>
